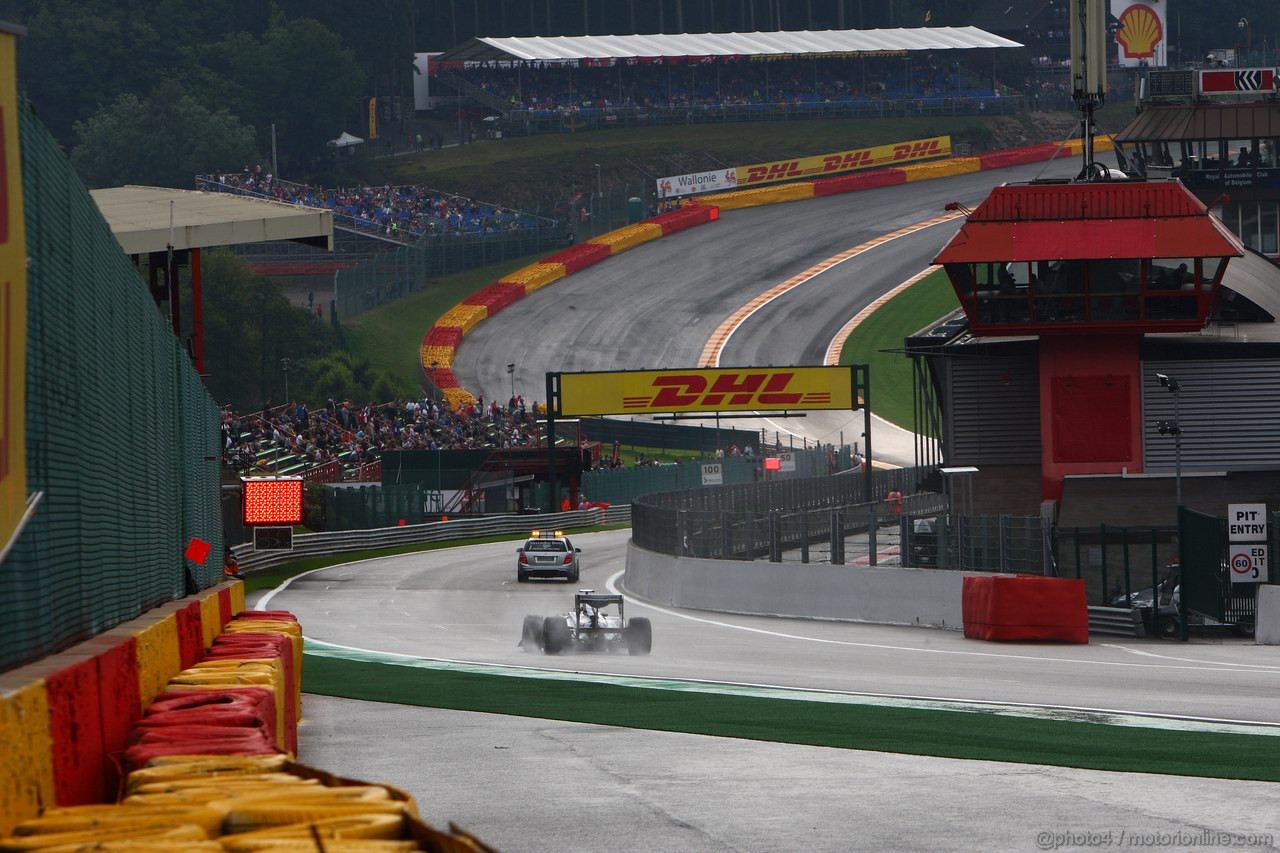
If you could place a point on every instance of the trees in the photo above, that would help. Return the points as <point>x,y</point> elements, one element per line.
<point>250,326</point>
<point>163,140</point>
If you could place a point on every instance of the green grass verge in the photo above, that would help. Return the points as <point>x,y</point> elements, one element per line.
<point>905,314</point>
<point>388,337</point>
<point>946,734</point>
<point>261,579</point>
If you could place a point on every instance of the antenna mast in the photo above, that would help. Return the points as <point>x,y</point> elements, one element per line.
<point>1088,67</point>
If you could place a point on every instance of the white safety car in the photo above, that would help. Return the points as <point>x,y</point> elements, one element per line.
<point>547,555</point>
<point>589,627</point>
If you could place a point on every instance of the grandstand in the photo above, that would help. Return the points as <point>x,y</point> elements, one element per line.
<point>540,84</point>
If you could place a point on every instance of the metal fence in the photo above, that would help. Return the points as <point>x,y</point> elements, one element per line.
<point>345,542</point>
<point>395,274</point>
<point>106,540</point>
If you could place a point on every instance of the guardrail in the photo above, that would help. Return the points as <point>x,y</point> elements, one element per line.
<point>344,541</point>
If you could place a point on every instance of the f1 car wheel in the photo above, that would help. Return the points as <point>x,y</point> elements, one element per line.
<point>555,635</point>
<point>531,633</point>
<point>639,636</point>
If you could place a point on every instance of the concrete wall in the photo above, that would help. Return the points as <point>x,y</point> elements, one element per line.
<point>1268,624</point>
<point>891,596</point>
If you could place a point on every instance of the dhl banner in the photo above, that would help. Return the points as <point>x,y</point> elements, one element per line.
<point>742,177</point>
<point>731,389</point>
<point>844,161</point>
<point>13,302</point>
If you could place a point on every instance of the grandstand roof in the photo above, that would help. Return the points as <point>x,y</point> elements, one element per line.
<point>571,48</point>
<point>139,219</point>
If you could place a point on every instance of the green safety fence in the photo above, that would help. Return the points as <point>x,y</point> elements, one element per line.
<point>122,438</point>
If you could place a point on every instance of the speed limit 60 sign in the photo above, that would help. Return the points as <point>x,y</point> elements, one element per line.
<point>1248,563</point>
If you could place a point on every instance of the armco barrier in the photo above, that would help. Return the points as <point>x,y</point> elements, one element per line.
<point>317,544</point>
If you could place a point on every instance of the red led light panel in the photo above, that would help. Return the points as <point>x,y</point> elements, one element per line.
<point>273,501</point>
<point>772,463</point>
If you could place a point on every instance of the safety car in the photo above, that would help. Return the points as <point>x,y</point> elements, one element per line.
<point>547,554</point>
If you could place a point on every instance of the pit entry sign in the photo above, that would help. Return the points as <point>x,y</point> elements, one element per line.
<point>1247,535</point>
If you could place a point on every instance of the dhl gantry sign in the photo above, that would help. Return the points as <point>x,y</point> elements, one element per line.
<point>731,389</point>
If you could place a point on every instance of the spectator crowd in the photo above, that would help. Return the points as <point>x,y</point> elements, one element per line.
<point>403,212</point>
<point>789,82</point>
<point>357,435</point>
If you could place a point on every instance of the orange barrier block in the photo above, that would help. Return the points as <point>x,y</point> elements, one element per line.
<point>26,751</point>
<point>465,317</point>
<point>158,654</point>
<point>210,619</point>
<point>942,169</point>
<point>760,195</point>
<point>1025,608</point>
<point>438,356</point>
<point>535,276</point>
<point>622,239</point>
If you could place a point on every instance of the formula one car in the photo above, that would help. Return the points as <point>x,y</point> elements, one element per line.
<point>588,627</point>
<point>546,555</point>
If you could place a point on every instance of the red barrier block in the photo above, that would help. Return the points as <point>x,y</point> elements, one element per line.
<point>1017,156</point>
<point>190,635</point>
<point>859,181</point>
<point>119,699</point>
<point>685,217</point>
<point>75,722</point>
<point>579,257</point>
<point>1025,608</point>
<point>443,336</point>
<point>496,296</point>
<point>225,609</point>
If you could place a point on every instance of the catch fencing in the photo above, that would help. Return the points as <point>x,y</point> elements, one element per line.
<point>122,439</point>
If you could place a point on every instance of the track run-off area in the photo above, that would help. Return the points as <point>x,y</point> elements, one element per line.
<point>749,733</point>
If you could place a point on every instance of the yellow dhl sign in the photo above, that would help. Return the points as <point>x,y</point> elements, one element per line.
<point>844,161</point>
<point>734,389</point>
<point>13,302</point>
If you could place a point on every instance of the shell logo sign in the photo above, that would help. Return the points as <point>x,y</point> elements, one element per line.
<point>1140,34</point>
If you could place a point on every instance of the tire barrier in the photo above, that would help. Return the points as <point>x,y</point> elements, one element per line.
<point>622,239</point>
<point>942,169</point>
<point>757,196</point>
<point>209,762</point>
<point>1025,608</point>
<point>859,181</point>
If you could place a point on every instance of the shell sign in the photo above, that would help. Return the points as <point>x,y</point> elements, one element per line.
<point>1140,33</point>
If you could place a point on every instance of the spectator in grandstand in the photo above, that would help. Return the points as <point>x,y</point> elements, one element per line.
<point>399,212</point>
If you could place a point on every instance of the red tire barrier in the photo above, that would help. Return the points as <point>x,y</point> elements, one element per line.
<point>241,707</point>
<point>261,644</point>
<point>443,336</point>
<point>496,296</point>
<point>443,378</point>
<point>685,217</point>
<point>859,181</point>
<point>579,257</point>
<point>1018,156</point>
<point>1025,608</point>
<point>138,755</point>
<point>277,615</point>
